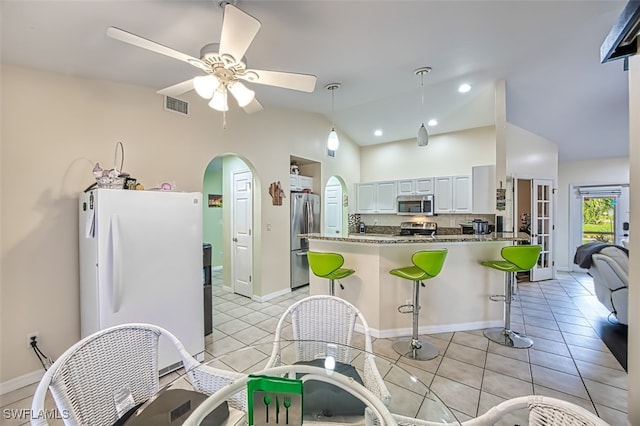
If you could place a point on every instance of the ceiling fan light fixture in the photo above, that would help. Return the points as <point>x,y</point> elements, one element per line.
<point>219,100</point>
<point>205,85</point>
<point>243,95</point>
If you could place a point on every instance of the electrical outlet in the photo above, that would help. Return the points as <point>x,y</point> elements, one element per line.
<point>35,334</point>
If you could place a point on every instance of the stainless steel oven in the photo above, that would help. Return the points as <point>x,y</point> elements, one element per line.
<point>415,205</point>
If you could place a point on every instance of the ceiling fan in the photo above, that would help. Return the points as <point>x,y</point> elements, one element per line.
<point>224,64</point>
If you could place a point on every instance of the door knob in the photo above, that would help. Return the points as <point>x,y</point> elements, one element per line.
<point>235,240</point>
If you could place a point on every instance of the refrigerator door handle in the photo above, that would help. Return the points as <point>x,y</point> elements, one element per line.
<point>309,213</point>
<point>116,273</point>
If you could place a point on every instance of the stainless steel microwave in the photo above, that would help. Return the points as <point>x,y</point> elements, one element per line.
<point>415,205</point>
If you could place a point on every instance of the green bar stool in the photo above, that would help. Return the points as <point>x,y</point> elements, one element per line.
<point>328,265</point>
<point>515,259</point>
<point>426,264</point>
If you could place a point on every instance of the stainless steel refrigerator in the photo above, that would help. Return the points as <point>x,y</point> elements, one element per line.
<point>305,219</point>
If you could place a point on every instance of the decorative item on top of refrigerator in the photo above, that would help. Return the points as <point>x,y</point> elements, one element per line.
<point>305,219</point>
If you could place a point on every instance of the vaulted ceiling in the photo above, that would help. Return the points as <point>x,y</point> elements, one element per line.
<point>546,51</point>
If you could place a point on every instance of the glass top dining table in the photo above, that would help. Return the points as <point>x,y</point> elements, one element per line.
<point>336,387</point>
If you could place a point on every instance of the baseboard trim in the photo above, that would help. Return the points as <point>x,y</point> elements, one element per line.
<point>270,296</point>
<point>264,298</point>
<point>21,381</point>
<point>432,329</point>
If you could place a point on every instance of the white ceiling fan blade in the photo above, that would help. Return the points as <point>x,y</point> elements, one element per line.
<point>127,37</point>
<point>177,89</point>
<point>238,31</point>
<point>287,80</point>
<point>253,106</point>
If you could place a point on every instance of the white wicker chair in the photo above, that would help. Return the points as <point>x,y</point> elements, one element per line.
<point>84,378</point>
<point>329,319</point>
<point>543,411</point>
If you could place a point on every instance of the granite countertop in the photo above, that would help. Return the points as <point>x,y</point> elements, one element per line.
<point>407,239</point>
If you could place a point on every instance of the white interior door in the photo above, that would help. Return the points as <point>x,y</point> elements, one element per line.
<point>542,227</point>
<point>333,207</point>
<point>242,218</point>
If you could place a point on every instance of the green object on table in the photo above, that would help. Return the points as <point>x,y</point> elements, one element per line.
<point>274,401</point>
<point>516,259</point>
<point>328,265</point>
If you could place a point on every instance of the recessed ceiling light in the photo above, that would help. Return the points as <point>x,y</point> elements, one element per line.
<point>464,88</point>
<point>378,132</point>
<point>432,122</point>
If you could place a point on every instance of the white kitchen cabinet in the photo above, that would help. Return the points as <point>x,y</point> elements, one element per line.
<point>365,198</point>
<point>376,197</point>
<point>452,194</point>
<point>386,197</point>
<point>305,182</point>
<point>406,187</point>
<point>299,182</point>
<point>415,186</point>
<point>424,186</point>
<point>484,189</point>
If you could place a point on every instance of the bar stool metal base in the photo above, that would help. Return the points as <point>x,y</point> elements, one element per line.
<point>412,348</point>
<point>506,337</point>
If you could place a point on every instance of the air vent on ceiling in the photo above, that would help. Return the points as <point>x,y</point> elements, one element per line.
<point>176,105</point>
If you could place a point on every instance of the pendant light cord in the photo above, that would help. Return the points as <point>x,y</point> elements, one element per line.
<point>422,86</point>
<point>332,110</point>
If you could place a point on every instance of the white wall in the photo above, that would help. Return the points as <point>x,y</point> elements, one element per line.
<point>55,127</point>
<point>571,173</point>
<point>447,154</point>
<point>529,155</point>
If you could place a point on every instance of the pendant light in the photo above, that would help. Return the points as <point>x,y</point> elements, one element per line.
<point>332,141</point>
<point>423,136</point>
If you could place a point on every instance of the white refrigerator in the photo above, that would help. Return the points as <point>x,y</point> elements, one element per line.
<point>141,261</point>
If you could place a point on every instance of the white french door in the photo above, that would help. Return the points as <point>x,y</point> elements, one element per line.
<point>542,227</point>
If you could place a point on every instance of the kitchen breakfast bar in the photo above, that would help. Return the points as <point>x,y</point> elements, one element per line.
<point>456,299</point>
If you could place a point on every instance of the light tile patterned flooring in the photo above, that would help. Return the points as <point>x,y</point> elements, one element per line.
<point>471,374</point>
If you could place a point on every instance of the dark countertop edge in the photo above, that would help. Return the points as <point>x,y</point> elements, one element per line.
<point>397,239</point>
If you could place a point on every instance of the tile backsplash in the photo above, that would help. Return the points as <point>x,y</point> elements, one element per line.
<point>390,224</point>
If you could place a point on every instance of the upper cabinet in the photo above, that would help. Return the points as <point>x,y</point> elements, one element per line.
<point>484,189</point>
<point>376,197</point>
<point>453,194</point>
<point>300,183</point>
<point>415,186</point>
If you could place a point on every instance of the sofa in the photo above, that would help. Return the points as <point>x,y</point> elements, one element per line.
<point>610,272</point>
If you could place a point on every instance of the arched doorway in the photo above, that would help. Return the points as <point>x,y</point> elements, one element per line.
<point>231,201</point>
<point>336,207</point>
